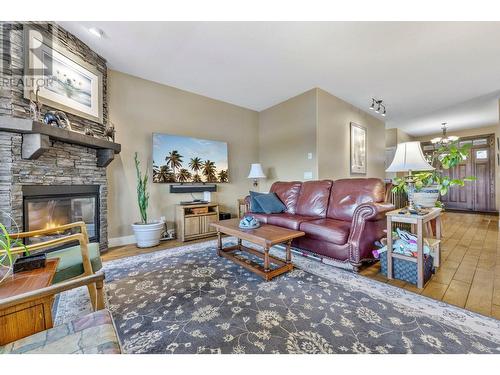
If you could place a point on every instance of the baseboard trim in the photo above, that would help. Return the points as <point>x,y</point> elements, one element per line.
<point>121,241</point>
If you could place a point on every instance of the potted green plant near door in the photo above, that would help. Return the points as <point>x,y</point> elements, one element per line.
<point>430,185</point>
<point>147,234</point>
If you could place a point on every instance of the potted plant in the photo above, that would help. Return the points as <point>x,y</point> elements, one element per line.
<point>429,185</point>
<point>7,257</point>
<point>147,234</point>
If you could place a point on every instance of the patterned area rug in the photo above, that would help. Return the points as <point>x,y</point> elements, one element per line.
<point>188,300</point>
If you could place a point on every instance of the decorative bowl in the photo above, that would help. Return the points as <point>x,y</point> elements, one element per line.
<point>249,222</point>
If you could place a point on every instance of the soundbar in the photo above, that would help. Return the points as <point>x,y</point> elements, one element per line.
<point>192,188</point>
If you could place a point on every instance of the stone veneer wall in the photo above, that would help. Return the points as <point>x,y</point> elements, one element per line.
<point>63,164</point>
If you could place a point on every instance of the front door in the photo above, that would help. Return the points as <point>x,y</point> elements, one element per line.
<point>478,195</point>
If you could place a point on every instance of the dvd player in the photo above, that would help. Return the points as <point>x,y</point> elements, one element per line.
<point>196,201</point>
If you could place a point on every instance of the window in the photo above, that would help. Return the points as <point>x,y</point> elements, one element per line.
<point>462,143</point>
<point>482,154</point>
<point>480,142</point>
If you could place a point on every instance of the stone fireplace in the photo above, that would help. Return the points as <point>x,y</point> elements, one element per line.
<point>66,180</point>
<point>52,182</point>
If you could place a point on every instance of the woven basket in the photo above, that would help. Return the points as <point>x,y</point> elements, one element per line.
<point>406,270</point>
<point>199,210</point>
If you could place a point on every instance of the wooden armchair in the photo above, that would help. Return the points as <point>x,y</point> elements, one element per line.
<point>75,261</point>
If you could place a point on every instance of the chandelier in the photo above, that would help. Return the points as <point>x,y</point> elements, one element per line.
<point>445,139</point>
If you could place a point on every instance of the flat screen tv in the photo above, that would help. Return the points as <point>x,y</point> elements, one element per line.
<point>178,159</point>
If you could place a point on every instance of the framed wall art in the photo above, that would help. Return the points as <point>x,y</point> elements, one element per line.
<point>64,80</point>
<point>358,149</point>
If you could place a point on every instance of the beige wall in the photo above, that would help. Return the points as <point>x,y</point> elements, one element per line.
<point>315,122</point>
<point>333,138</point>
<point>394,136</point>
<point>287,133</point>
<point>138,108</point>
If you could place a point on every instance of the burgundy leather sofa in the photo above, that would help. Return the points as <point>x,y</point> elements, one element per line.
<point>342,219</point>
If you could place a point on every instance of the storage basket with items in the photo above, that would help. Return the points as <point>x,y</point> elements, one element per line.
<point>405,244</point>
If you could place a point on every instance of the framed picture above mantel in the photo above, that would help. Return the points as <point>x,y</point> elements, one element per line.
<point>63,80</point>
<point>358,150</point>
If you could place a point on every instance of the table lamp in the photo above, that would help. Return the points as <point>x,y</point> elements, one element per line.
<point>256,172</point>
<point>408,158</point>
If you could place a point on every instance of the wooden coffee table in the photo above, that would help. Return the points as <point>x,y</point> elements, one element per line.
<point>265,236</point>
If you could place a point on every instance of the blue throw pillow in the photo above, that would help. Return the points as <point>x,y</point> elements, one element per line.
<point>270,203</point>
<point>254,205</point>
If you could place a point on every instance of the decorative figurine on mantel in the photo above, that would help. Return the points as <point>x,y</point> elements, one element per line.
<point>36,107</point>
<point>57,119</point>
<point>89,131</point>
<point>110,131</point>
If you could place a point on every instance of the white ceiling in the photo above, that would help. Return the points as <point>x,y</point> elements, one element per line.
<point>417,68</point>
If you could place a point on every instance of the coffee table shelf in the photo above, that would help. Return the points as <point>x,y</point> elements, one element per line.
<point>265,236</point>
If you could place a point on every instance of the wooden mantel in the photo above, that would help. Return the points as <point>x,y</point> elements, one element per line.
<point>37,136</point>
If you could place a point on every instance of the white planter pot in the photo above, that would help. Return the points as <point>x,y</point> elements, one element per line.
<point>148,235</point>
<point>427,197</point>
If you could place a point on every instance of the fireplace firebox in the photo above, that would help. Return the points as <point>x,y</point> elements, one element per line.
<point>46,207</point>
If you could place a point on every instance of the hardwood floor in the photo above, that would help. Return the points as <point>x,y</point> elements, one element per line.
<point>131,250</point>
<point>469,275</point>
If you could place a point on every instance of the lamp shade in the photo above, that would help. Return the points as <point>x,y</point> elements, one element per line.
<point>409,157</point>
<point>256,171</point>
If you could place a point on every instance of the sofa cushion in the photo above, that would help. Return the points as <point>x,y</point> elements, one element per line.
<point>331,230</point>
<point>270,203</point>
<point>313,198</point>
<point>347,194</point>
<point>288,193</point>
<point>254,205</point>
<point>288,220</point>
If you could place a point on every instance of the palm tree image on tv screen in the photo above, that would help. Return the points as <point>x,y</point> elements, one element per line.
<point>178,159</point>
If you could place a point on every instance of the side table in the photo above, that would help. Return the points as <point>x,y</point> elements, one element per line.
<point>415,220</point>
<point>31,317</point>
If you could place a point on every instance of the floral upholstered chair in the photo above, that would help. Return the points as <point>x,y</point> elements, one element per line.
<point>94,333</point>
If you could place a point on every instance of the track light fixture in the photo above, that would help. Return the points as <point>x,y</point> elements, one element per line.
<point>378,106</point>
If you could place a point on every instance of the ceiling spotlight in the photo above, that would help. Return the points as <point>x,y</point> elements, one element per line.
<point>96,32</point>
<point>380,107</point>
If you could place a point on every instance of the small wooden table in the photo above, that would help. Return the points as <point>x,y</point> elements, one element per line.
<point>265,236</point>
<point>27,318</point>
<point>413,219</point>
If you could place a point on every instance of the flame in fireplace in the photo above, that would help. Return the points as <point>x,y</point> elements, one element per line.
<point>53,224</point>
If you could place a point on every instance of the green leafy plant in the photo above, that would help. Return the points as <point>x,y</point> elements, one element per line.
<point>142,194</point>
<point>445,157</point>
<point>7,243</point>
